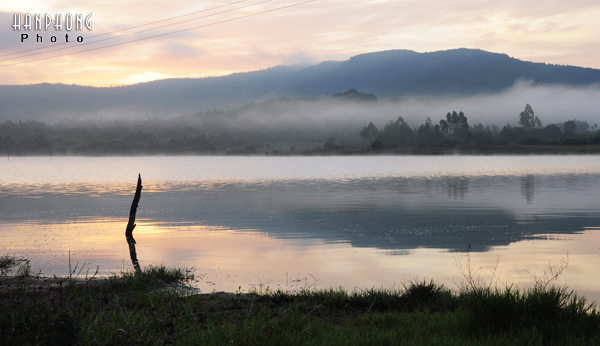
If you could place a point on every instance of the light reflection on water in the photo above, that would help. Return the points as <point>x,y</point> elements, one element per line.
<point>78,170</point>
<point>226,260</point>
<point>309,222</point>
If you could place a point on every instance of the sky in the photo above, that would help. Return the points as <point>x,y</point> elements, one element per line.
<point>224,37</point>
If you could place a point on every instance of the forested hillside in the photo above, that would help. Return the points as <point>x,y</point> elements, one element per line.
<point>387,74</point>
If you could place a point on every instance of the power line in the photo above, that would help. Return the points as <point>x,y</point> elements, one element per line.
<point>133,27</point>
<point>128,34</point>
<point>165,34</point>
<point>164,20</point>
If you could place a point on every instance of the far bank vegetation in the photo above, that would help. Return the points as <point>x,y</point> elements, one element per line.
<point>266,129</point>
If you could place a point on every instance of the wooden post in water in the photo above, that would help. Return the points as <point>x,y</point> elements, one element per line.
<point>131,225</point>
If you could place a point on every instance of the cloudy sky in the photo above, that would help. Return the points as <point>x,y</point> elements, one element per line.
<point>224,36</point>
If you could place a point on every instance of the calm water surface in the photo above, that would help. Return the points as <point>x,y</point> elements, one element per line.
<point>295,222</point>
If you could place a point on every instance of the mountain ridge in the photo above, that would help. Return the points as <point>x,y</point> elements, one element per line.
<point>386,74</point>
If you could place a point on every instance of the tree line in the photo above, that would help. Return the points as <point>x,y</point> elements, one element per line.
<point>454,130</point>
<point>230,132</point>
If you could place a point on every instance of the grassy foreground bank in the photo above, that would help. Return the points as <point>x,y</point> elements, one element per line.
<point>154,308</point>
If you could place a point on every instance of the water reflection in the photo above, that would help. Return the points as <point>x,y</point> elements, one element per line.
<point>457,187</point>
<point>396,219</point>
<point>528,188</point>
<point>227,259</point>
<point>389,214</point>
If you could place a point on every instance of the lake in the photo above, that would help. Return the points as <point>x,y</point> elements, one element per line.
<point>357,222</point>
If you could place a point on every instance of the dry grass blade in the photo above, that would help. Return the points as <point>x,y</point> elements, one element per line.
<point>472,277</point>
<point>555,270</point>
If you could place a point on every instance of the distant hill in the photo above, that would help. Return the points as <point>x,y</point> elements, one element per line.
<point>387,74</point>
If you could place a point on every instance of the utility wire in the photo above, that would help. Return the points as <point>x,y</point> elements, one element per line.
<point>128,34</point>
<point>165,34</point>
<point>164,20</point>
<point>133,27</point>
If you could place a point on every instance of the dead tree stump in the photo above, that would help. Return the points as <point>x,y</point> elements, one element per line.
<point>131,225</point>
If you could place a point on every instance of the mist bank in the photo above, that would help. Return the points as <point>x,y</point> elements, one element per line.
<point>352,122</point>
<point>553,103</point>
<point>446,78</point>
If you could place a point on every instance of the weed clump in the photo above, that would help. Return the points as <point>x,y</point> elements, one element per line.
<point>150,278</point>
<point>88,310</point>
<point>552,314</point>
<point>9,263</point>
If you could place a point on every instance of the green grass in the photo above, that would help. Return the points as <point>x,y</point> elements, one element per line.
<point>136,309</point>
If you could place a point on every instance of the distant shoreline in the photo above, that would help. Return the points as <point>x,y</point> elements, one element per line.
<point>520,149</point>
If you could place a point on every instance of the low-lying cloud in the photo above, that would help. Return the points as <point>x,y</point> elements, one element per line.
<point>552,104</point>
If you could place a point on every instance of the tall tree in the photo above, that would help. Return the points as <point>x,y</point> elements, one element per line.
<point>456,122</point>
<point>456,125</point>
<point>528,120</point>
<point>369,131</point>
<point>364,134</point>
<point>569,127</point>
<point>429,135</point>
<point>398,132</point>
